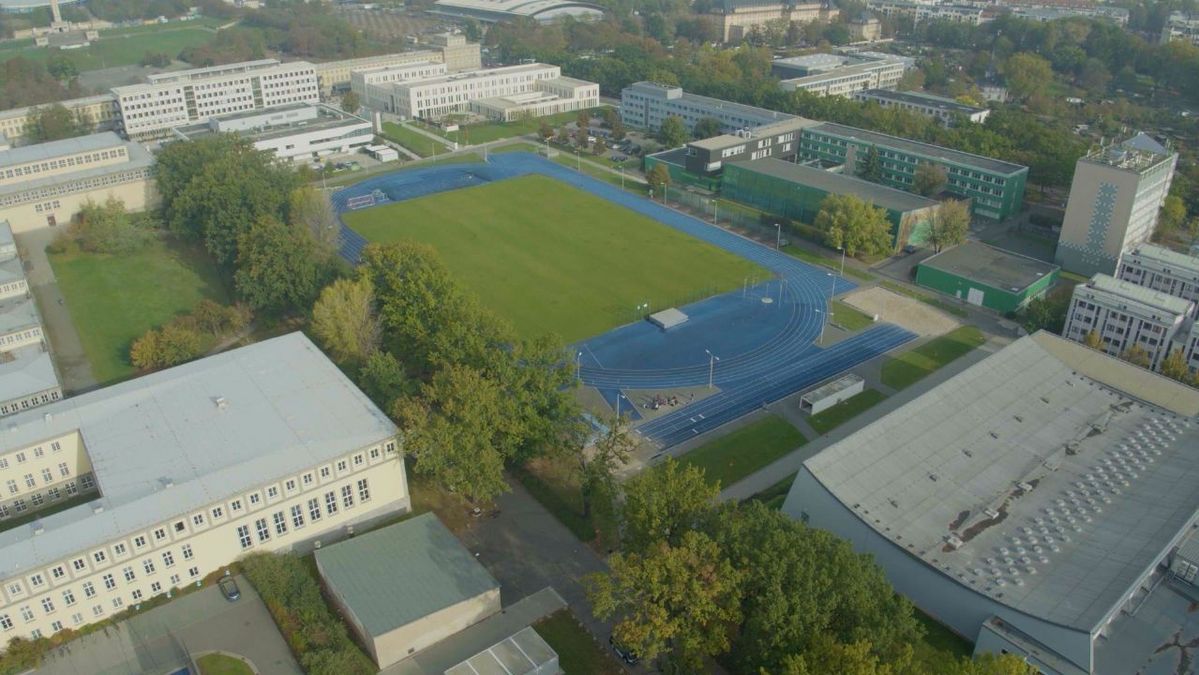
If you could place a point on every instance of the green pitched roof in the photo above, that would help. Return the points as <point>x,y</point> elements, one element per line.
<point>396,575</point>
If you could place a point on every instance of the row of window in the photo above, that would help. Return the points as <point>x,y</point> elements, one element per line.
<point>162,536</point>
<point>72,187</point>
<point>48,477</point>
<point>22,456</point>
<point>51,495</point>
<point>32,401</point>
<point>280,521</point>
<point>64,162</point>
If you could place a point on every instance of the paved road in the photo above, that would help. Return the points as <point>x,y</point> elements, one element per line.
<point>74,370</point>
<point>160,640</point>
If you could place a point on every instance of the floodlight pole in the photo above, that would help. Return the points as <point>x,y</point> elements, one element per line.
<point>578,161</point>
<point>712,359</point>
<point>842,261</point>
<point>579,366</point>
<point>715,212</point>
<point>823,323</point>
<point>778,236</point>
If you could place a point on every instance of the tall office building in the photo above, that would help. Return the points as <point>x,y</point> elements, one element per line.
<point>1114,202</point>
<point>1123,314</point>
<point>170,100</point>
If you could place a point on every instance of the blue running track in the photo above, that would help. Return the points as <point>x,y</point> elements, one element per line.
<point>764,334</point>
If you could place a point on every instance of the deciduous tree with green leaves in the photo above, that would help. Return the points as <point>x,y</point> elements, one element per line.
<point>1136,355</point>
<point>344,320</point>
<point>929,179</point>
<point>870,167</point>
<point>663,502</point>
<point>678,601</point>
<point>949,224</point>
<point>1092,339</point>
<point>848,221</point>
<point>658,178</point>
<point>706,128</point>
<point>1174,366</point>
<point>673,133</point>
<point>279,267</point>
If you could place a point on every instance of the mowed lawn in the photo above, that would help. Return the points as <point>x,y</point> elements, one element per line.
<point>115,299</point>
<point>552,258</point>
<point>912,366</point>
<point>730,458</point>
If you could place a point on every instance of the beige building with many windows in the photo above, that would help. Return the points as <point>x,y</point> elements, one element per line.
<point>27,375</point>
<point>264,448</point>
<point>538,88</point>
<point>371,84</point>
<point>179,98</point>
<point>46,184</point>
<point>100,112</point>
<point>452,51</point>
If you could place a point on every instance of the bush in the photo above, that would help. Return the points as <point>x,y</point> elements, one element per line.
<point>315,635</point>
<point>107,228</point>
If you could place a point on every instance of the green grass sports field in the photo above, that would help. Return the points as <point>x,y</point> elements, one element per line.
<point>552,258</point>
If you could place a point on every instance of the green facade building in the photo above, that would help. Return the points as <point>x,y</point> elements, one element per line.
<point>986,276</point>
<point>995,188</point>
<point>796,191</point>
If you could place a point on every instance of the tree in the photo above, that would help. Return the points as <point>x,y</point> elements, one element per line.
<point>597,456</point>
<point>871,167</point>
<point>350,102</point>
<point>1136,355</point>
<point>107,228</point>
<point>545,131</point>
<point>279,268</point>
<point>310,209</point>
<point>672,133</point>
<point>1092,339</point>
<point>62,68</point>
<point>848,221</point>
<point>662,503</point>
<point>658,178</point>
<point>598,148</point>
<point>618,130</point>
<point>675,600</point>
<point>706,128</point>
<point>383,380</point>
<point>583,121</point>
<point>1027,75</point>
<point>171,345</point>
<point>344,320</point>
<point>1174,366</point>
<point>949,224</point>
<point>53,123</point>
<point>1173,215</point>
<point>456,430</point>
<point>155,60</point>
<point>929,179</point>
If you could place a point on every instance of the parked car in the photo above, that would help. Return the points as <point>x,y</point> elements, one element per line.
<point>623,653</point>
<point>229,589</point>
<point>910,249</point>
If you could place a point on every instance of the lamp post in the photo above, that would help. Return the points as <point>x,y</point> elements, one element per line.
<point>579,366</point>
<point>823,323</point>
<point>622,179</point>
<point>842,248</point>
<point>715,212</point>
<point>642,307</point>
<point>578,160</point>
<point>712,359</point>
<point>778,236</point>
<point>832,290</point>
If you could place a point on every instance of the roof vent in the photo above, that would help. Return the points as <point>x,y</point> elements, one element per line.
<point>48,417</point>
<point>221,402</point>
<point>991,513</point>
<point>954,541</point>
<point>97,507</point>
<point>166,482</point>
<point>1024,486</point>
<point>37,527</point>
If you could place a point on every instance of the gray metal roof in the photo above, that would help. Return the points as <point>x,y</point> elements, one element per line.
<point>996,268</point>
<point>26,372</point>
<point>287,408</point>
<point>55,149</point>
<point>1164,259</point>
<point>830,388</point>
<point>921,98</point>
<point>925,150</point>
<point>524,653</point>
<point>138,158</point>
<point>398,574</point>
<point>1129,292</point>
<point>16,313</point>
<point>1039,476</point>
<point>836,183</point>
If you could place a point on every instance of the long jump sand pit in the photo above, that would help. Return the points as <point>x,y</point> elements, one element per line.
<point>901,310</point>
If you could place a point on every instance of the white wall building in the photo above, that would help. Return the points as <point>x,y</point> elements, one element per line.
<point>1030,503</point>
<point>27,375</point>
<point>1124,314</point>
<point>839,74</point>
<point>370,84</point>
<point>179,98</point>
<point>453,51</point>
<point>1181,26</point>
<point>46,184</point>
<point>297,132</point>
<point>921,12</point>
<point>550,97</point>
<point>1161,269</point>
<point>263,448</point>
<point>1114,202</point>
<point>645,105</point>
<point>440,96</point>
<point>944,110</point>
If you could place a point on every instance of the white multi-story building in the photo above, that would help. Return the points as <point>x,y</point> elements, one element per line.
<point>176,99</point>
<point>839,74</point>
<point>1045,14</point>
<point>945,110</point>
<point>1181,26</point>
<point>439,96</point>
<point>370,84</point>
<point>264,448</point>
<point>452,51</point>
<point>296,132</point>
<point>645,105</point>
<point>1114,202</point>
<point>1124,314</point>
<point>47,184</point>
<point>1161,269</point>
<point>921,12</point>
<point>27,375</point>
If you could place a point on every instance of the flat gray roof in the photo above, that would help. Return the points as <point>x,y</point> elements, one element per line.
<point>18,312</point>
<point>830,388</point>
<point>288,408</point>
<point>1179,262</point>
<point>926,150</point>
<point>1046,477</point>
<point>837,183</point>
<point>401,573</point>
<point>988,265</point>
<point>28,370</point>
<point>138,158</point>
<point>55,149</point>
<point>524,653</point>
<point>921,98</point>
<point>1140,294</point>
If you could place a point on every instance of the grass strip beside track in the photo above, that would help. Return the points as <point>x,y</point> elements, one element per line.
<point>736,455</point>
<point>910,367</point>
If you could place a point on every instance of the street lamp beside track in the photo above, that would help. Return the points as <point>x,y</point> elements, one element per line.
<point>712,359</point>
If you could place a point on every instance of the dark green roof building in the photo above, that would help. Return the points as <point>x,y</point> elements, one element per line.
<point>994,187</point>
<point>797,190</point>
<point>986,276</point>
